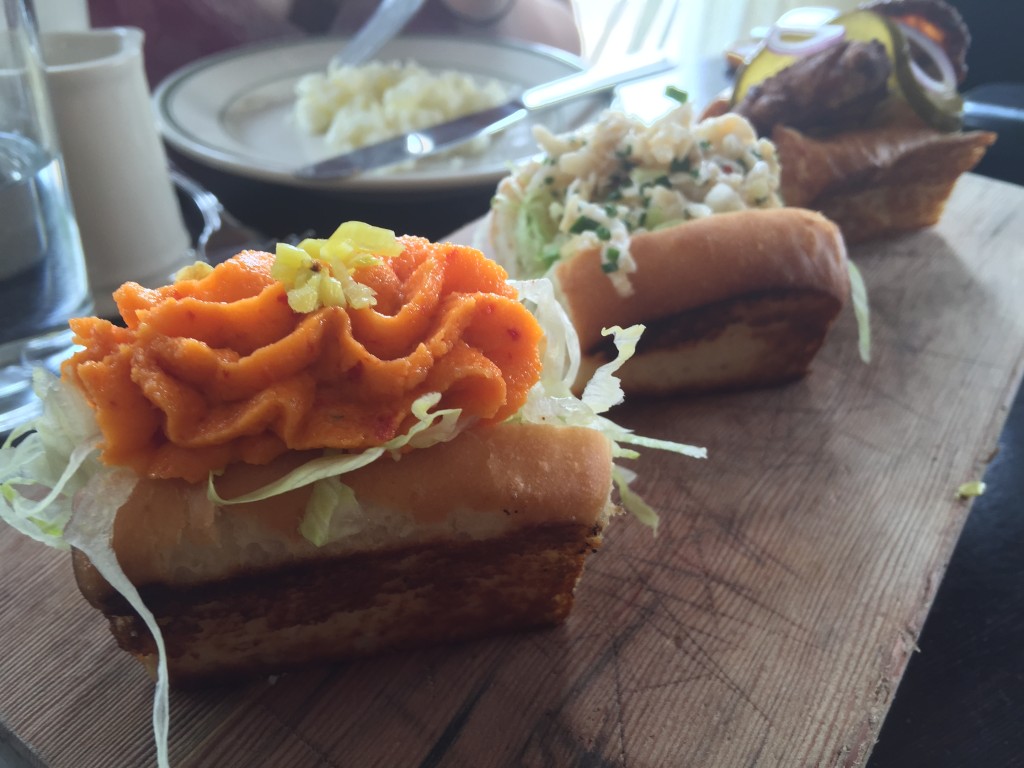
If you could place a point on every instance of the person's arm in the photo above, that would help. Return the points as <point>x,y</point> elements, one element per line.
<point>543,21</point>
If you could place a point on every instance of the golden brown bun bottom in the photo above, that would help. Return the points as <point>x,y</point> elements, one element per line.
<point>759,340</point>
<point>730,301</point>
<point>238,591</point>
<point>877,182</point>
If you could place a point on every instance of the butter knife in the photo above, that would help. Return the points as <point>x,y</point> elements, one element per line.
<point>428,141</point>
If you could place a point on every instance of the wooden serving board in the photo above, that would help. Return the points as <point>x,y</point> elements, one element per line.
<point>768,624</point>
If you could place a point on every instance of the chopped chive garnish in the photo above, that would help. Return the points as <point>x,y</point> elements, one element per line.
<point>611,263</point>
<point>680,164</point>
<point>582,224</point>
<point>677,93</point>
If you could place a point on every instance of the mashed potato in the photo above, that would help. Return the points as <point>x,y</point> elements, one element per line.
<point>353,106</point>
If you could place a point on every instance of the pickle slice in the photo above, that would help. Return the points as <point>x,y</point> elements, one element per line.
<point>762,65</point>
<point>859,25</point>
<point>864,25</point>
<point>868,25</point>
<point>941,114</point>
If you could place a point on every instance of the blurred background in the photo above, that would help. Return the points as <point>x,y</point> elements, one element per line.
<point>697,32</point>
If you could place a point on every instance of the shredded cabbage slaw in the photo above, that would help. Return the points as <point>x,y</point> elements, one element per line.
<point>595,187</point>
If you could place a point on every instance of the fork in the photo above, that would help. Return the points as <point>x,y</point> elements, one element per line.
<point>386,22</point>
<point>646,17</point>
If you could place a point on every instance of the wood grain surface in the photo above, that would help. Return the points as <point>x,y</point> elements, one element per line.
<point>768,624</point>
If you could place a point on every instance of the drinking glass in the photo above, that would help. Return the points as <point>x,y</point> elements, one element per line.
<point>43,279</point>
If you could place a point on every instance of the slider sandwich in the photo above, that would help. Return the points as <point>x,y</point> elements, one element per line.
<point>359,444</point>
<point>678,225</point>
<point>865,114</point>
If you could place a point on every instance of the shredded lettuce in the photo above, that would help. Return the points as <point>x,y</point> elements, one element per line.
<point>91,531</point>
<point>537,237</point>
<point>429,429</point>
<point>639,508</point>
<point>604,390</point>
<point>551,399</point>
<point>46,462</point>
<point>859,296</point>
<point>560,363</point>
<point>330,496</point>
<point>55,490</point>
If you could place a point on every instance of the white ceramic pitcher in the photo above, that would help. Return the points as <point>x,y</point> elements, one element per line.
<point>127,210</point>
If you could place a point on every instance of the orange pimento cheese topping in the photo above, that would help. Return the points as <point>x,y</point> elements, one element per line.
<point>220,369</point>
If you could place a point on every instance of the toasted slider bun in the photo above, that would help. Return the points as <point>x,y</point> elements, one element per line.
<point>889,177</point>
<point>479,535</point>
<point>877,182</point>
<point>730,301</point>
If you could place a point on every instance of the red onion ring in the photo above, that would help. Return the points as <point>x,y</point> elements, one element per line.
<point>816,39</point>
<point>947,85</point>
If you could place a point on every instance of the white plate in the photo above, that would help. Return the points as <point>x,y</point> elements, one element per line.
<point>234,111</point>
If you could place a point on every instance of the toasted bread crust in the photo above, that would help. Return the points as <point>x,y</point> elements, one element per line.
<point>357,604</point>
<point>879,181</point>
<point>486,482</point>
<point>483,534</point>
<point>755,341</point>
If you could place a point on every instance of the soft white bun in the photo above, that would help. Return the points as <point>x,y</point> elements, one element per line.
<point>487,533</point>
<point>730,300</point>
<point>483,483</point>
<point>708,260</point>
